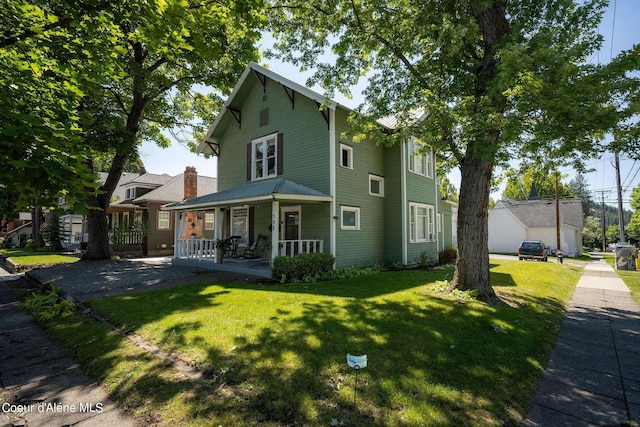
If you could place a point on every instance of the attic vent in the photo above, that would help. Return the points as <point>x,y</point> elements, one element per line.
<point>264,117</point>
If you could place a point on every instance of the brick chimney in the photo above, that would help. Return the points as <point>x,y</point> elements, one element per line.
<point>190,182</point>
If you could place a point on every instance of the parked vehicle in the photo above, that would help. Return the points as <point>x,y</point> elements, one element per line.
<point>532,249</point>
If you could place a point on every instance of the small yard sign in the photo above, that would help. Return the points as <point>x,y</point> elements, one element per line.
<point>357,363</point>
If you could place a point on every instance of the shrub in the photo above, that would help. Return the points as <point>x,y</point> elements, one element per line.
<point>301,266</point>
<point>447,255</point>
<point>49,305</point>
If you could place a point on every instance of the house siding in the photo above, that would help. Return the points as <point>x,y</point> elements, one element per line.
<point>420,189</point>
<point>366,245</point>
<point>304,130</point>
<point>393,206</point>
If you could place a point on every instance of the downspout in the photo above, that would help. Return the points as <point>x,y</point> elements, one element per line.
<point>332,181</point>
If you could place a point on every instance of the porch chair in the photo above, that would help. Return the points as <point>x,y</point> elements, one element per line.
<point>233,247</point>
<point>250,252</point>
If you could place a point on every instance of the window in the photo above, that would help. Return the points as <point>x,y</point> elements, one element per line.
<point>130,193</point>
<point>240,223</point>
<point>420,158</point>
<point>264,158</point>
<point>209,219</point>
<point>346,156</point>
<point>164,219</point>
<point>439,223</point>
<point>350,218</point>
<point>421,222</point>
<point>376,185</point>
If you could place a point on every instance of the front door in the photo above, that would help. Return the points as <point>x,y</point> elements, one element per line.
<point>291,230</point>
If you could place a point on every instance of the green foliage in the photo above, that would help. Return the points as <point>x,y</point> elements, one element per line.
<point>53,234</point>
<point>592,233</point>
<point>301,267</point>
<point>519,183</point>
<point>633,227</point>
<point>49,305</point>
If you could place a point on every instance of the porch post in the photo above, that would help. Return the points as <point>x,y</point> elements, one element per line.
<point>177,249</point>
<point>217,231</point>
<point>275,228</point>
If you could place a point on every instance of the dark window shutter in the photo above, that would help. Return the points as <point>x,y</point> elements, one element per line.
<point>228,221</point>
<point>251,216</point>
<point>280,156</point>
<point>249,145</point>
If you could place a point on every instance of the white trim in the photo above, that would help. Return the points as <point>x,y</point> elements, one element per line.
<point>405,217</point>
<point>425,158</point>
<point>356,210</point>
<point>168,220</point>
<point>380,180</point>
<point>273,76</point>
<point>349,149</point>
<point>275,225</point>
<point>332,182</point>
<point>264,141</point>
<point>430,235</point>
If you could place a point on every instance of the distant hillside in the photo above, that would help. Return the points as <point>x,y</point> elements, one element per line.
<point>610,213</point>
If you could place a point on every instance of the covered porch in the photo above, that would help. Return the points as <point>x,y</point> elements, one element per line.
<point>262,219</point>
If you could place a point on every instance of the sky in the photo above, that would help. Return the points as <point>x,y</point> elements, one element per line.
<point>620,28</point>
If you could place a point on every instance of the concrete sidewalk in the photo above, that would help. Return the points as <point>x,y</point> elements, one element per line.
<point>41,385</point>
<point>593,376</point>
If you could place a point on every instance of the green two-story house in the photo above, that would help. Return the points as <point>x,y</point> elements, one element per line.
<point>289,181</point>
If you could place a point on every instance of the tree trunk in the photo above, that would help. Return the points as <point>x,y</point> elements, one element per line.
<point>98,246</point>
<point>472,264</point>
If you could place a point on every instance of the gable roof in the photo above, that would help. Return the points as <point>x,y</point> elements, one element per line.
<point>256,71</point>
<point>150,179</point>
<point>173,190</point>
<point>120,193</point>
<point>542,213</point>
<point>270,189</point>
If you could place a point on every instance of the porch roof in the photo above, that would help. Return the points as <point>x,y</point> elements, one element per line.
<point>272,189</point>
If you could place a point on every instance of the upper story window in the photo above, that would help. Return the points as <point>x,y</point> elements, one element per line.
<point>264,157</point>
<point>376,185</point>
<point>131,193</point>
<point>420,158</point>
<point>346,156</point>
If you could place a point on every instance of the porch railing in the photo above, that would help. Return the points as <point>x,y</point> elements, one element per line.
<point>195,248</point>
<point>294,247</point>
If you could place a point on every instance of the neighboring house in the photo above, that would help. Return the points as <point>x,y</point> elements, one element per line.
<point>137,222</point>
<point>511,222</point>
<point>288,177</point>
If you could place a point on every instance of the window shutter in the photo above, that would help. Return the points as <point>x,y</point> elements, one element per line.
<point>227,215</point>
<point>249,174</point>
<point>251,215</point>
<point>279,149</point>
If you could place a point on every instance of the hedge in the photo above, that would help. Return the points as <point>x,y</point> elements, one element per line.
<point>290,269</point>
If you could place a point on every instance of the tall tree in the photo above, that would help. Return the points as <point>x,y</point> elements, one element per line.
<point>580,189</point>
<point>633,227</point>
<point>494,78</point>
<point>49,51</point>
<point>167,48</point>
<point>519,182</point>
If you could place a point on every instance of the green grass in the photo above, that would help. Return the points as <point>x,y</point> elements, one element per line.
<point>276,355</point>
<point>629,277</point>
<point>26,258</point>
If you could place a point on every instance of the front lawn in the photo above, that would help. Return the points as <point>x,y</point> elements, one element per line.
<point>276,355</point>
<point>24,259</point>
<point>631,278</point>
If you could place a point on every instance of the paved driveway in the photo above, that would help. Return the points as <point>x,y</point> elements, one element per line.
<point>91,279</point>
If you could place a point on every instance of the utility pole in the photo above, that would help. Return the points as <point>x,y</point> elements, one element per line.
<point>558,241</point>
<point>604,224</point>
<point>620,211</point>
